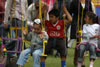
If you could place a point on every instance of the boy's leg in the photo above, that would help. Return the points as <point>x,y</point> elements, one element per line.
<point>63,61</point>
<point>36,57</point>
<point>23,57</point>
<point>48,48</point>
<point>43,61</point>
<point>61,48</point>
<point>80,55</point>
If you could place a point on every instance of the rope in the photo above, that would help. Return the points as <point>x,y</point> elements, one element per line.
<point>12,19</point>
<point>40,16</point>
<point>65,34</point>
<point>56,4</point>
<point>80,27</point>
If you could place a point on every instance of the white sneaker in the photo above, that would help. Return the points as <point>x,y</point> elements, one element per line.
<point>70,42</point>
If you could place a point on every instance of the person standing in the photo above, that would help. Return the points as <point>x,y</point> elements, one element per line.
<point>15,16</point>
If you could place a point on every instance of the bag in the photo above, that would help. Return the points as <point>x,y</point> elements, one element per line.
<point>2,9</point>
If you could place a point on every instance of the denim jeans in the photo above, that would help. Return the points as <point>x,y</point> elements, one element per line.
<point>83,48</point>
<point>35,54</point>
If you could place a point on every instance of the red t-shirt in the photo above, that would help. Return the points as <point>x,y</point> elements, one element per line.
<point>56,30</point>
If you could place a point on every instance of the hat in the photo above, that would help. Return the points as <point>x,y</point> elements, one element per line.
<point>37,21</point>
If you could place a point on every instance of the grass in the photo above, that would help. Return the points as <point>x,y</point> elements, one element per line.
<point>51,61</point>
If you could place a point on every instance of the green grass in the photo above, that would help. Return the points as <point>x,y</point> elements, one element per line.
<point>51,61</point>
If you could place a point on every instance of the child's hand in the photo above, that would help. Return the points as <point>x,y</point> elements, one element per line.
<point>99,37</point>
<point>64,15</point>
<point>96,36</point>
<point>41,36</point>
<point>64,8</point>
<point>24,32</point>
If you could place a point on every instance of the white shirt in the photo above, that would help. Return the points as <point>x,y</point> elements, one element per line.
<point>90,31</point>
<point>32,14</point>
<point>16,9</point>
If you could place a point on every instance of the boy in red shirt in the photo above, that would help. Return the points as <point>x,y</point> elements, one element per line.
<point>55,30</point>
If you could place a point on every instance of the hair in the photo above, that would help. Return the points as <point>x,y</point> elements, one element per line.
<point>54,12</point>
<point>92,16</point>
<point>37,24</point>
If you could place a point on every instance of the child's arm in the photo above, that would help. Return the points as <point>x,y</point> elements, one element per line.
<point>69,18</point>
<point>95,36</point>
<point>44,35</point>
<point>44,7</point>
<point>99,37</point>
<point>27,36</point>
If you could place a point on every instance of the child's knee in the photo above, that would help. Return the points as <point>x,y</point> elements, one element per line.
<point>82,48</point>
<point>35,54</point>
<point>92,48</point>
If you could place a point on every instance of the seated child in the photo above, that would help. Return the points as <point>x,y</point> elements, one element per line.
<point>36,46</point>
<point>90,38</point>
<point>55,29</point>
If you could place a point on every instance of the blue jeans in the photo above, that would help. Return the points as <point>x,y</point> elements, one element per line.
<point>83,48</point>
<point>35,54</point>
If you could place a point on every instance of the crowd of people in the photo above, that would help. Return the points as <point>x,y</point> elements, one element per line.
<point>57,17</point>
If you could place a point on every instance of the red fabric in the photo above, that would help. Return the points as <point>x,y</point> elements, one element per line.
<point>2,9</point>
<point>48,1</point>
<point>55,31</point>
